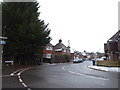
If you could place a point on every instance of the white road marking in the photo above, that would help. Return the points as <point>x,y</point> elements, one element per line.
<point>15,72</point>
<point>19,77</point>
<point>21,71</point>
<point>29,89</point>
<point>63,68</point>
<point>75,73</point>
<point>5,76</point>
<point>87,75</point>
<point>11,74</point>
<point>20,80</point>
<point>18,74</point>
<point>97,77</point>
<point>24,84</point>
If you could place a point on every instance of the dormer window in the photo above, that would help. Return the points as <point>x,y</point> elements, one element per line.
<point>49,48</point>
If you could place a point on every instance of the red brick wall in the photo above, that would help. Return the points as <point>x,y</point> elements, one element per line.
<point>48,51</point>
<point>112,46</point>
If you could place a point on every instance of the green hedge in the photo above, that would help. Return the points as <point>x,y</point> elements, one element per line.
<point>108,63</point>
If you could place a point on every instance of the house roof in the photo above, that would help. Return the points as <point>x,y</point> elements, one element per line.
<point>115,36</point>
<point>49,44</point>
<point>60,45</point>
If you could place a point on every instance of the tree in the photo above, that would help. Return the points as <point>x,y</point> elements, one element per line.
<point>27,34</point>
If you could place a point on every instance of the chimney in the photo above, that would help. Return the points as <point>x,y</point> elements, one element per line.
<point>60,41</point>
<point>69,43</point>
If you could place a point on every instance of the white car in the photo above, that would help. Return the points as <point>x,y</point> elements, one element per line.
<point>77,60</point>
<point>99,59</point>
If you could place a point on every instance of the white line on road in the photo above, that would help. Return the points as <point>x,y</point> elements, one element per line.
<point>20,80</point>
<point>19,77</point>
<point>11,74</point>
<point>4,76</point>
<point>75,73</point>
<point>18,74</point>
<point>63,68</point>
<point>29,89</point>
<point>24,84</point>
<point>87,75</point>
<point>15,72</point>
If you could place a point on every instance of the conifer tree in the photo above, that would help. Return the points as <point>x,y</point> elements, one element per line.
<point>26,33</point>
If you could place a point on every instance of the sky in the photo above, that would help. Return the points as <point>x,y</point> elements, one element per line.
<point>88,24</point>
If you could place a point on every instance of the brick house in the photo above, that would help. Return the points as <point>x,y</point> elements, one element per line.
<point>91,55</point>
<point>72,55</point>
<point>78,54</point>
<point>112,47</point>
<point>57,53</point>
<point>61,53</point>
<point>48,52</point>
<point>61,49</point>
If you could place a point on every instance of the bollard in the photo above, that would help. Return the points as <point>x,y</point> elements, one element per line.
<point>93,62</point>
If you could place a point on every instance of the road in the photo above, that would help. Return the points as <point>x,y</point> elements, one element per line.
<point>65,75</point>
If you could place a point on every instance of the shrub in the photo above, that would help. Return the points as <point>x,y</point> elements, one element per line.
<point>108,63</point>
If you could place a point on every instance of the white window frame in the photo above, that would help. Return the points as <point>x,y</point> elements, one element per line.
<point>48,55</point>
<point>49,48</point>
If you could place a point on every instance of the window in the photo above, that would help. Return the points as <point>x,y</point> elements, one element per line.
<point>48,55</point>
<point>49,48</point>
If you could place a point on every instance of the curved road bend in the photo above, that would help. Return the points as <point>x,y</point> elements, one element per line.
<point>69,75</point>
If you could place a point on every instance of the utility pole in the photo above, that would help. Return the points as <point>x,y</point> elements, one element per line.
<point>69,43</point>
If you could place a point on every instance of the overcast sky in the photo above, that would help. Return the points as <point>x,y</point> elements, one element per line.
<point>88,24</point>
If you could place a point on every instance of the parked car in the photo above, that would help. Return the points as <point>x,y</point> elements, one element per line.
<point>77,60</point>
<point>99,59</point>
<point>93,59</point>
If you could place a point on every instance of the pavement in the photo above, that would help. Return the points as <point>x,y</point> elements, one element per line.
<point>107,69</point>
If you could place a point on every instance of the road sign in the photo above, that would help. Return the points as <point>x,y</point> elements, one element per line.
<point>2,42</point>
<point>3,37</point>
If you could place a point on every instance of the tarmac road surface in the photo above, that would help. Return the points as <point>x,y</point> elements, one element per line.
<point>65,75</point>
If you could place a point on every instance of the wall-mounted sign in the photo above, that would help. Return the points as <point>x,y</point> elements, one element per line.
<point>2,42</point>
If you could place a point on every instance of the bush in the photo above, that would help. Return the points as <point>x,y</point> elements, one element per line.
<point>108,63</point>
<point>67,57</point>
